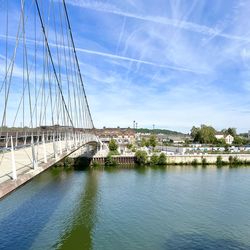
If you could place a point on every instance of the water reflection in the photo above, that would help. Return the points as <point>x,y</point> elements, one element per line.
<point>177,207</point>
<point>25,221</point>
<point>79,235</point>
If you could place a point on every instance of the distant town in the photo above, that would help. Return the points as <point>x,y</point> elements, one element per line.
<point>203,139</point>
<point>203,144</point>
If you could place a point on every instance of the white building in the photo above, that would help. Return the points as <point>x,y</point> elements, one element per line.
<point>228,138</point>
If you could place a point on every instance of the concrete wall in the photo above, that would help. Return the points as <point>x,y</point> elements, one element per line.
<point>209,158</point>
<point>177,159</point>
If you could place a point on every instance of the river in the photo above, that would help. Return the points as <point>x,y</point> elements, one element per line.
<point>146,208</point>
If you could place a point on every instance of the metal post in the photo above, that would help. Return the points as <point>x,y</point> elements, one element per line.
<point>6,140</point>
<point>14,175</point>
<point>34,162</point>
<point>44,150</point>
<point>16,139</point>
<point>74,140</point>
<point>54,146</point>
<point>25,138</point>
<point>81,138</point>
<point>60,143</point>
<point>37,147</point>
<point>69,141</point>
<point>77,139</point>
<point>66,142</point>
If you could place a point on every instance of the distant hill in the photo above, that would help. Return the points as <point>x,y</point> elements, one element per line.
<point>160,131</point>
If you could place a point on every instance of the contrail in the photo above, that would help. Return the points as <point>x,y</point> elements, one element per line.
<point>121,35</point>
<point>110,55</point>
<point>190,26</point>
<point>138,61</point>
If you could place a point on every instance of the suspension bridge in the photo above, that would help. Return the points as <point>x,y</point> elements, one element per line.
<point>44,111</point>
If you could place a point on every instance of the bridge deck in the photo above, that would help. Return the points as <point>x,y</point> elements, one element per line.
<point>24,159</point>
<point>46,155</point>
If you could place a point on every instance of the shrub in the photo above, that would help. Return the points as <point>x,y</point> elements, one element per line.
<point>110,161</point>
<point>154,160</point>
<point>96,164</point>
<point>230,160</point>
<point>204,162</point>
<point>219,161</point>
<point>162,159</point>
<point>141,157</point>
<point>236,161</point>
<point>194,162</point>
<point>68,162</point>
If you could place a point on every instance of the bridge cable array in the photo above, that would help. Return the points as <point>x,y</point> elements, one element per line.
<point>41,86</point>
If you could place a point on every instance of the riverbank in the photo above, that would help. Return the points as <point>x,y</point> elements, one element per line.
<point>215,159</point>
<point>126,161</point>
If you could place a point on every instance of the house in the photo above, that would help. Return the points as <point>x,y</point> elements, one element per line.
<point>228,138</point>
<point>219,136</point>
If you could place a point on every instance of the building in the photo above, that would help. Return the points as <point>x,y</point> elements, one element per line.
<point>122,135</point>
<point>228,138</point>
<point>219,136</point>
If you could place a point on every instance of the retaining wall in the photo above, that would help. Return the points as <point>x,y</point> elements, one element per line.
<point>178,159</point>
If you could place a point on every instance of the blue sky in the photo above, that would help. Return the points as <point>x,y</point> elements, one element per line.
<point>172,63</point>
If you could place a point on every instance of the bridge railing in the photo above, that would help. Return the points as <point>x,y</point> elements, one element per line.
<point>22,152</point>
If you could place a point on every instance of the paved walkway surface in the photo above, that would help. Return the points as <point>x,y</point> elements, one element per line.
<point>23,158</point>
<point>24,163</point>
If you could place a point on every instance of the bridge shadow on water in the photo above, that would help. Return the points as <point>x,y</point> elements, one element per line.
<point>79,234</point>
<point>199,241</point>
<point>82,163</point>
<point>19,229</point>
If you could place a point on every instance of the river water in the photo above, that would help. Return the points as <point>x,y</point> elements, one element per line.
<point>146,208</point>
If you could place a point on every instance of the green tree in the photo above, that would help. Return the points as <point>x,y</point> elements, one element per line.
<point>231,131</point>
<point>147,144</point>
<point>221,142</point>
<point>204,134</point>
<point>143,142</point>
<point>207,134</point>
<point>195,134</point>
<point>162,159</point>
<point>154,160</point>
<point>113,146</point>
<point>141,157</point>
<point>153,141</point>
<point>238,140</point>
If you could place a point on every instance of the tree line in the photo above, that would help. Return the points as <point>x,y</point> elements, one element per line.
<point>206,134</point>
